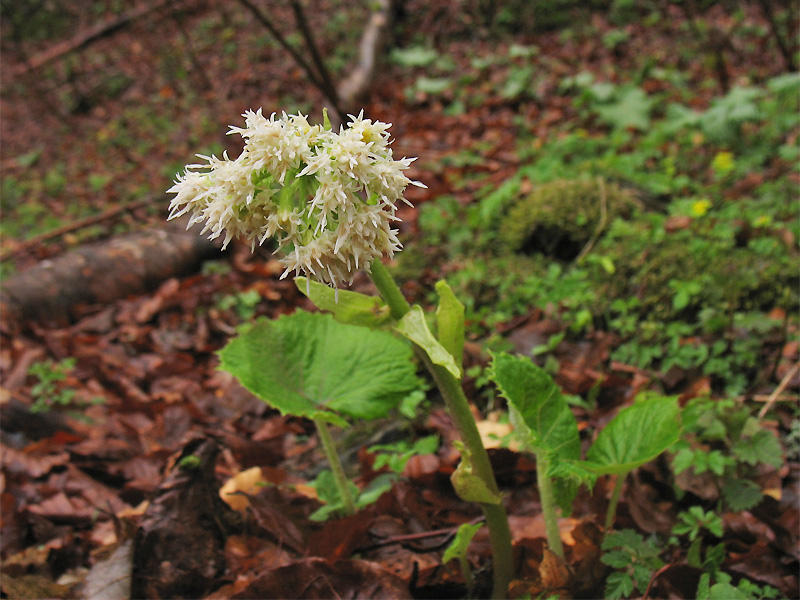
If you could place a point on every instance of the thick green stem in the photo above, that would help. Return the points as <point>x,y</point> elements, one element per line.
<point>342,483</point>
<point>548,501</point>
<point>611,513</point>
<point>458,407</point>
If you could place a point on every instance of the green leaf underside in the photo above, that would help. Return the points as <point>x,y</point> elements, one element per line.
<point>637,435</point>
<point>539,405</point>
<point>450,322</point>
<point>309,365</point>
<point>415,328</point>
<point>350,308</point>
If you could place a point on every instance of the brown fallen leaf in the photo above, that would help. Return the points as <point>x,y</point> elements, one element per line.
<point>316,578</point>
<point>179,545</point>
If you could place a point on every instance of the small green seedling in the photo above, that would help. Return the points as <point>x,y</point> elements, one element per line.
<point>458,550</point>
<point>634,557</point>
<point>545,424</point>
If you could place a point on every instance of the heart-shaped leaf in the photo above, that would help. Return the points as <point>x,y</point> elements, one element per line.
<point>637,435</point>
<point>309,365</point>
<point>351,308</point>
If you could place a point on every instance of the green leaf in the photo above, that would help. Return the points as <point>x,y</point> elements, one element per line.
<point>433,85</point>
<point>450,322</point>
<point>458,547</point>
<point>762,447</point>
<point>619,559</point>
<point>542,414</point>
<point>415,56</point>
<point>311,366</point>
<point>350,308</point>
<point>725,591</point>
<point>637,435</point>
<point>414,327</point>
<point>630,109</point>
<point>541,417</point>
<point>741,494</point>
<point>618,585</point>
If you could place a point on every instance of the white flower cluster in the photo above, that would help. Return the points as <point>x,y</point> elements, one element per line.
<point>327,198</point>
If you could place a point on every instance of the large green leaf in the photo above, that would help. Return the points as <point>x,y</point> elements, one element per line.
<point>539,404</point>
<point>347,307</point>
<point>637,435</point>
<point>541,417</point>
<point>414,327</point>
<point>450,322</point>
<point>312,366</point>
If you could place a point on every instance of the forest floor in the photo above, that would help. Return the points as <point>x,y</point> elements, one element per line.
<point>95,484</point>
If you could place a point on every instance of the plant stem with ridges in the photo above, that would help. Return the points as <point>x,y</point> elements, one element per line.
<point>458,407</point>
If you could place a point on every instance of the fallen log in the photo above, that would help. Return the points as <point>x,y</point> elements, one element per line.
<point>58,291</point>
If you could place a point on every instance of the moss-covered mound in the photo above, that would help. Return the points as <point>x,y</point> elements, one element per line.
<point>558,219</point>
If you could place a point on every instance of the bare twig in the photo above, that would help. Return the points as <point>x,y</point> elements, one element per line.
<point>265,21</point>
<point>778,390</point>
<point>783,45</point>
<point>73,226</point>
<point>601,225</point>
<point>87,37</point>
<point>329,89</point>
<point>411,537</point>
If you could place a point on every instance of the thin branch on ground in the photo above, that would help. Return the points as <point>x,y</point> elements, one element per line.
<point>85,38</point>
<point>73,226</point>
<point>601,225</point>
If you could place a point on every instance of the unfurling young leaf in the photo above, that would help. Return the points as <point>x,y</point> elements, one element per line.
<point>450,322</point>
<point>311,366</point>
<point>540,411</point>
<point>467,484</point>
<point>458,547</point>
<point>415,328</point>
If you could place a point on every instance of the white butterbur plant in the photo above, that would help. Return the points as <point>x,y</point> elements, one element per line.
<point>328,199</point>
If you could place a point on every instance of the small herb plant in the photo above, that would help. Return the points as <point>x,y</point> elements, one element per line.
<point>726,440</point>
<point>48,392</point>
<point>545,424</point>
<point>634,557</point>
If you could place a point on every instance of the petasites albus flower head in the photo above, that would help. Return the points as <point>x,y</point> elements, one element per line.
<point>328,199</point>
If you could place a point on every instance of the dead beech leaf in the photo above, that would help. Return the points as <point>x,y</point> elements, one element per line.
<point>553,571</point>
<point>534,527</point>
<point>33,587</point>
<point>492,434</point>
<point>249,481</point>
<point>313,578</point>
<point>111,578</point>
